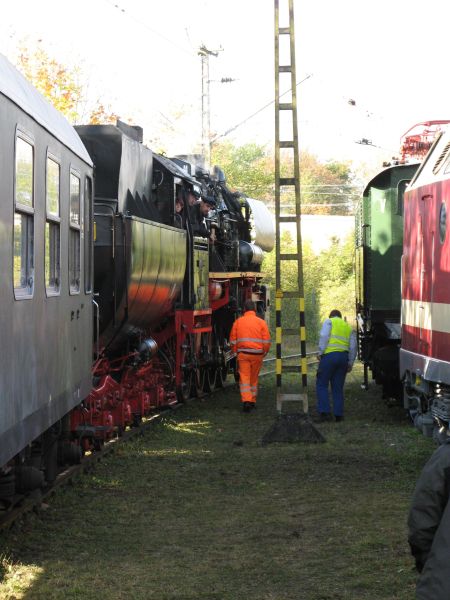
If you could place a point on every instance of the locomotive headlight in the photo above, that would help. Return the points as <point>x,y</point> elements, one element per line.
<point>148,349</point>
<point>215,291</point>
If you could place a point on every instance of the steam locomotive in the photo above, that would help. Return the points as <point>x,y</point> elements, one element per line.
<point>112,303</point>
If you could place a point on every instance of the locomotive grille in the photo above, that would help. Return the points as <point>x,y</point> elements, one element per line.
<point>440,159</point>
<point>440,406</point>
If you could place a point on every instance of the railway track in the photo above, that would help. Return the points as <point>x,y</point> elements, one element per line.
<point>288,356</point>
<point>21,504</point>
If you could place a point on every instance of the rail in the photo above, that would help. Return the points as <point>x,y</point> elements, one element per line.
<point>23,503</point>
<point>267,360</point>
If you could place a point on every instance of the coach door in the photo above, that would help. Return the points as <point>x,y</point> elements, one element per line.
<point>426,286</point>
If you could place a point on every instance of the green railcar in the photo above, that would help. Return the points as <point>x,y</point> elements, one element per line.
<point>379,239</point>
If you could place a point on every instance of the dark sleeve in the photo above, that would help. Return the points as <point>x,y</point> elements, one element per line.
<point>428,503</point>
<point>200,229</point>
<point>197,222</point>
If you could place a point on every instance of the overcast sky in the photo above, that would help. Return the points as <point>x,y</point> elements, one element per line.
<point>140,56</point>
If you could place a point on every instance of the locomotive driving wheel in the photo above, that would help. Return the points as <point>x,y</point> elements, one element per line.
<point>198,382</point>
<point>210,379</point>
<point>193,374</point>
<point>209,371</point>
<point>201,352</point>
<point>184,390</point>
<point>221,371</point>
<point>221,375</point>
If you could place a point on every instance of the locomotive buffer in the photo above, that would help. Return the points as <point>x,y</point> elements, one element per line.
<point>291,185</point>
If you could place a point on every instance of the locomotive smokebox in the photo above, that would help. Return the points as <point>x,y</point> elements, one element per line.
<point>250,255</point>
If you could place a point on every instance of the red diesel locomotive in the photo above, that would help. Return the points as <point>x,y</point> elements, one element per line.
<point>425,326</point>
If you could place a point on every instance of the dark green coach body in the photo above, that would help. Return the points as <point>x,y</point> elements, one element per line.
<point>379,240</point>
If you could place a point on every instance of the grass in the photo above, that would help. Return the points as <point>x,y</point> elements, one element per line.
<point>198,509</point>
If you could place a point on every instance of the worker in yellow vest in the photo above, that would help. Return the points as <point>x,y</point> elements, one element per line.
<point>337,353</point>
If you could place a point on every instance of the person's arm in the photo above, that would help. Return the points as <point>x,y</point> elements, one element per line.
<point>428,503</point>
<point>200,229</point>
<point>324,337</point>
<point>352,351</point>
<point>266,337</point>
<point>233,337</point>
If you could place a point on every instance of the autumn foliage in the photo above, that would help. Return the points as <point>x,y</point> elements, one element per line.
<point>62,86</point>
<point>326,188</point>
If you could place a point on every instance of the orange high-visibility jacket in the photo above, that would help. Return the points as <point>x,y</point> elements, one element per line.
<point>250,334</point>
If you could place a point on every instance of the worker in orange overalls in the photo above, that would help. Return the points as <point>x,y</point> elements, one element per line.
<point>250,340</point>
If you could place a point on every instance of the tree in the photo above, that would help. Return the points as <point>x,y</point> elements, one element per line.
<point>248,168</point>
<point>325,187</point>
<point>337,278</point>
<point>329,282</point>
<point>61,86</point>
<point>289,281</point>
<point>102,115</point>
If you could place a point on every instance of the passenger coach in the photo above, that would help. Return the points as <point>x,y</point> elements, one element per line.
<point>46,274</point>
<point>379,237</point>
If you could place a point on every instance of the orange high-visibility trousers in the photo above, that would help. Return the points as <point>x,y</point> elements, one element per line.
<point>249,366</point>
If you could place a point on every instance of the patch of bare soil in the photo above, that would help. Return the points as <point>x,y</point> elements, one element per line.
<point>295,427</point>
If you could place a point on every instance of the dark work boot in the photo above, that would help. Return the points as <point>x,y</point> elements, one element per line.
<point>338,418</point>
<point>246,407</point>
<point>325,417</point>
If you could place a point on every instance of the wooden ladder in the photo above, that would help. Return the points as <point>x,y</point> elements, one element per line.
<point>288,183</point>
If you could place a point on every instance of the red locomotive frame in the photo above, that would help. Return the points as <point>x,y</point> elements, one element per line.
<point>125,394</point>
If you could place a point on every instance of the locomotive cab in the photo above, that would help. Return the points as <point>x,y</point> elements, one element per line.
<point>139,255</point>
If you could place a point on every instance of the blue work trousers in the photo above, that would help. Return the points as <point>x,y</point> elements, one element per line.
<point>332,369</point>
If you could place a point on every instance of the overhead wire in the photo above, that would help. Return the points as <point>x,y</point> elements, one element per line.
<point>188,52</point>
<point>228,131</point>
<point>145,26</point>
<point>191,52</point>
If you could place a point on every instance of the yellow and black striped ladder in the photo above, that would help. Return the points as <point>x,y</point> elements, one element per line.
<point>292,210</point>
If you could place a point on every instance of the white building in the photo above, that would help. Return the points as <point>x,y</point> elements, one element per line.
<point>319,230</point>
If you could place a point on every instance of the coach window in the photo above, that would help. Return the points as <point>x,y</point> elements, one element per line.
<point>23,254</point>
<point>88,236</point>
<point>401,188</point>
<point>447,162</point>
<point>74,234</point>
<point>52,230</point>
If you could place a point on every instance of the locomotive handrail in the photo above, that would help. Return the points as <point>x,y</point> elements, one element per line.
<point>97,326</point>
